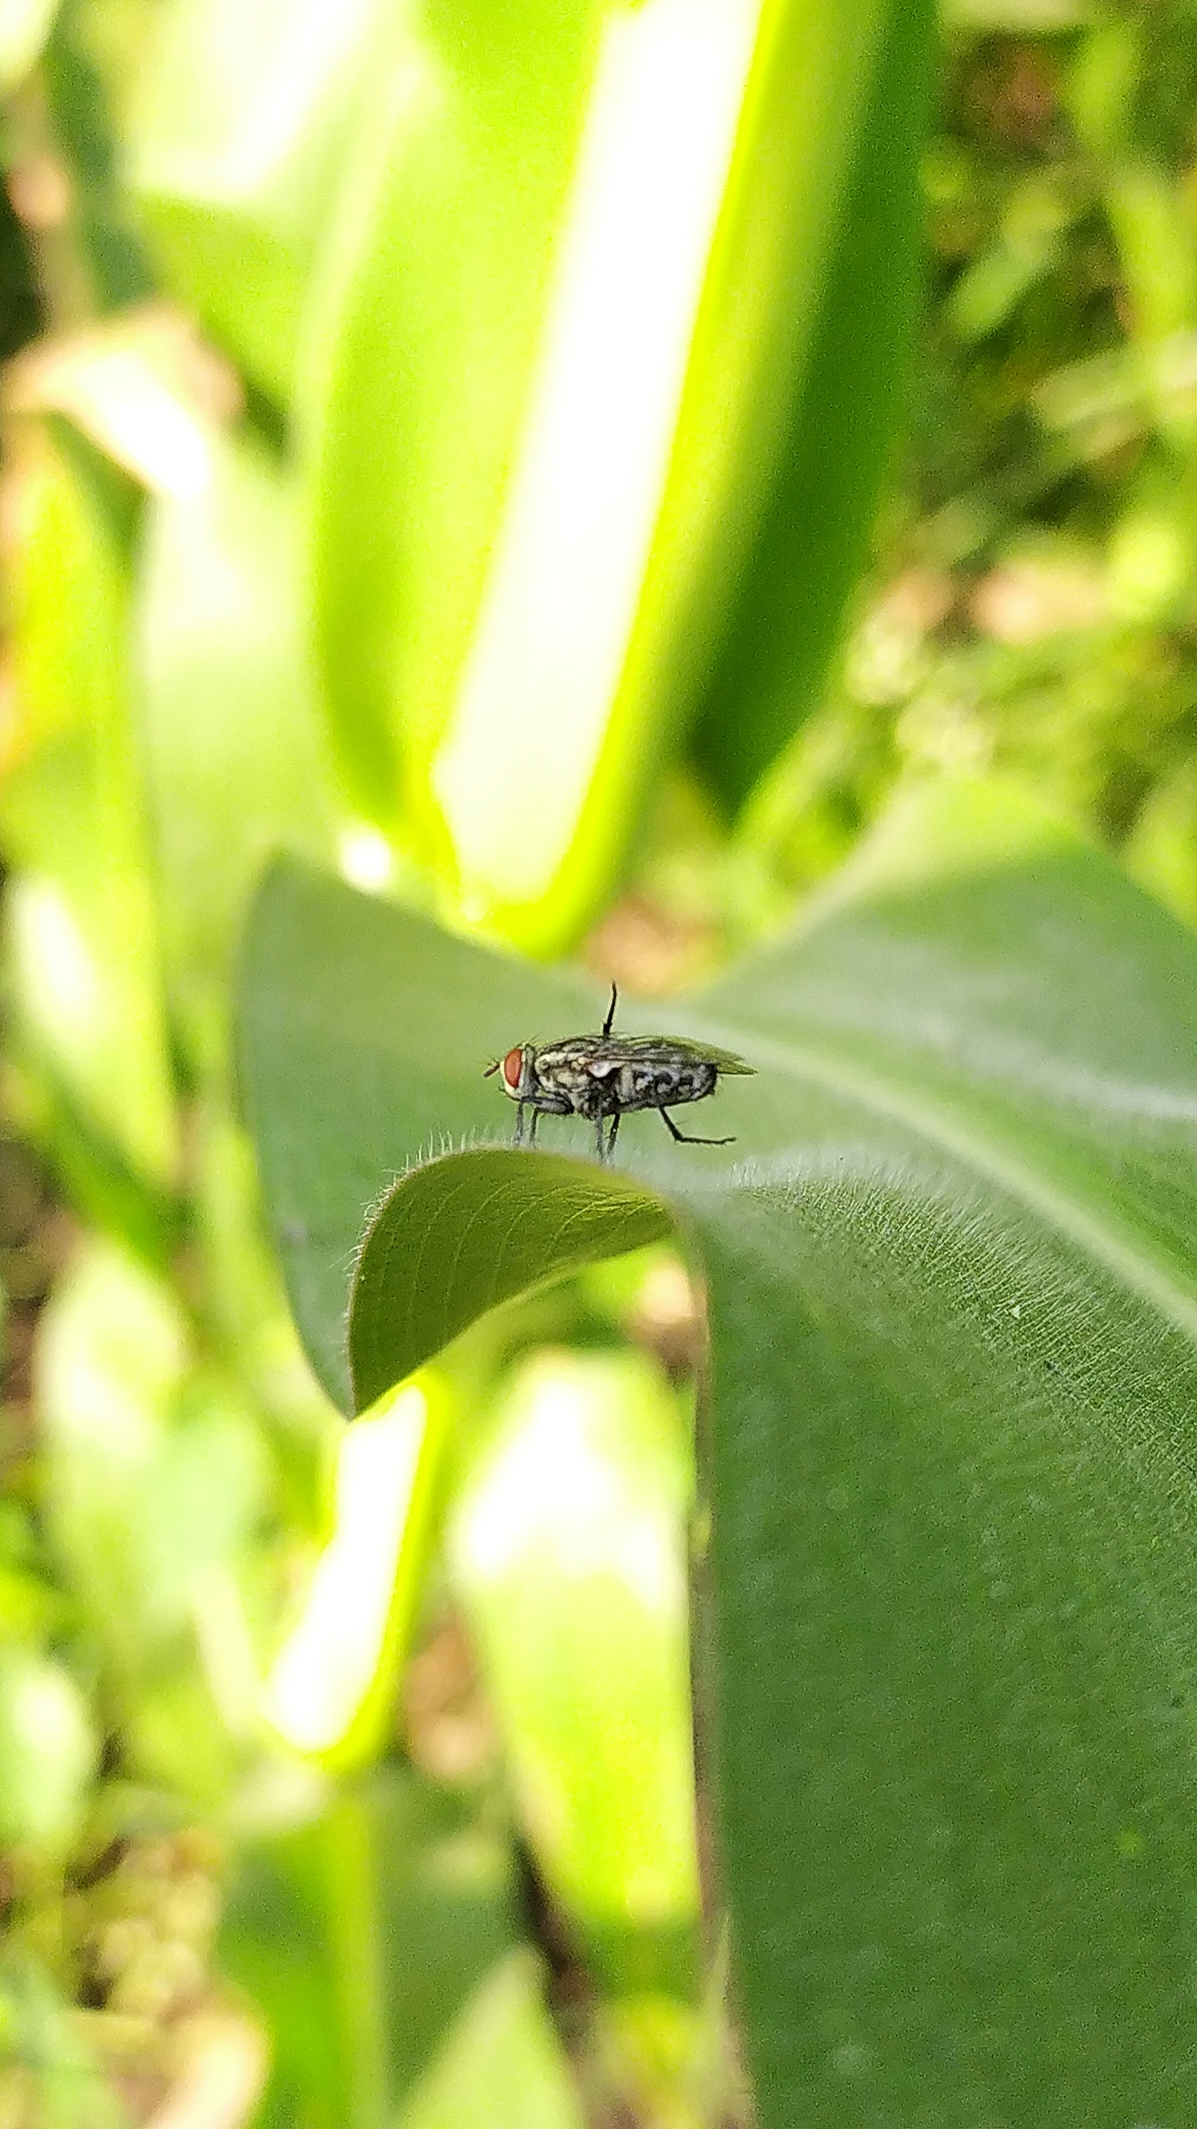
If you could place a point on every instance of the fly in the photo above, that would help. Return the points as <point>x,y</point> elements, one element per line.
<point>603,1076</point>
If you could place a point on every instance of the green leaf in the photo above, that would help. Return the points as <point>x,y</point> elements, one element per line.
<point>849,372</point>
<point>320,1177</point>
<point>331,1688</point>
<point>501,1229</point>
<point>360,1933</point>
<point>949,1595</point>
<point>502,2066</point>
<point>419,360</point>
<point>568,317</point>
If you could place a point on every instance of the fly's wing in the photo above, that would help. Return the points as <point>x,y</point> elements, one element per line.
<point>667,1046</point>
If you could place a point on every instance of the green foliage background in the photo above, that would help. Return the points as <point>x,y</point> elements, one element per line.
<point>335,1818</point>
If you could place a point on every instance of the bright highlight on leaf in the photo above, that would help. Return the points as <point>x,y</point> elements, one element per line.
<point>575,1512</point>
<point>516,765</point>
<point>325,1679</point>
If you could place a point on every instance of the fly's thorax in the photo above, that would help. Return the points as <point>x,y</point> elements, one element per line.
<point>563,1071</point>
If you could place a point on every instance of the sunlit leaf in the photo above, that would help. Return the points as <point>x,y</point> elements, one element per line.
<point>240,120</point>
<point>24,26</point>
<point>568,317</point>
<point>82,924</point>
<point>331,1687</point>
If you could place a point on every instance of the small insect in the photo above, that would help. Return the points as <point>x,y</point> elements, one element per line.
<point>602,1076</point>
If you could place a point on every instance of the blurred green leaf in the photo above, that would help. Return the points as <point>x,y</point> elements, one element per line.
<point>574,1512</point>
<point>48,1754</point>
<point>1103,81</point>
<point>849,373</point>
<point>1157,246</point>
<point>47,2075</point>
<point>24,27</point>
<point>567,318</point>
<point>237,758</point>
<point>239,127</point>
<point>420,358</point>
<point>155,1477</point>
<point>953,1311</point>
<point>82,926</point>
<point>360,1934</point>
<point>1162,852</point>
<point>502,2066</point>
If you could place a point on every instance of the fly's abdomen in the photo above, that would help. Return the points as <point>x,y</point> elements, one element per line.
<point>658,1083</point>
<point>697,1078</point>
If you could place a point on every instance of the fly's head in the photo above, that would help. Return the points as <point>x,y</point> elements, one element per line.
<point>516,1070</point>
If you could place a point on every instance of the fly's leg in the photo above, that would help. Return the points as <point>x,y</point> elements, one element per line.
<point>683,1138</point>
<point>518,1140</point>
<point>532,1127</point>
<point>598,1136</point>
<point>614,1134</point>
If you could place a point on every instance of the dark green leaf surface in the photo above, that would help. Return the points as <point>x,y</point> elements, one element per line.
<point>951,1620</point>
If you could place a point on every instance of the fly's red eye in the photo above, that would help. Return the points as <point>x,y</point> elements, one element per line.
<point>513,1069</point>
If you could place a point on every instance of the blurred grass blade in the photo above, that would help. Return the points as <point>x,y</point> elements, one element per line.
<point>82,924</point>
<point>567,320</point>
<point>48,1755</point>
<point>953,1306</point>
<point>229,708</point>
<point>360,1932</point>
<point>502,2066</point>
<point>155,1481</point>
<point>419,353</point>
<point>574,1510</point>
<point>331,1687</point>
